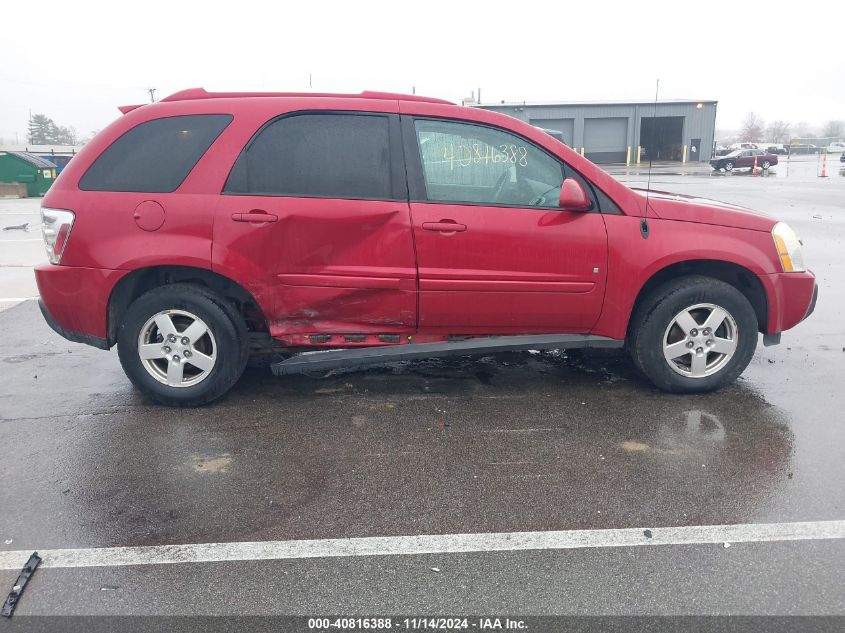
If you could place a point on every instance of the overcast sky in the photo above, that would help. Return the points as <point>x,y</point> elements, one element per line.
<point>76,61</point>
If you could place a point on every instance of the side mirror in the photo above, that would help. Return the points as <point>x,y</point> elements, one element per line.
<point>573,197</point>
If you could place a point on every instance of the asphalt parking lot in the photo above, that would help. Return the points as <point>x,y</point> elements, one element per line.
<point>518,442</point>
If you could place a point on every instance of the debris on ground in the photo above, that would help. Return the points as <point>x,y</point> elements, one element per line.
<point>435,569</point>
<point>727,545</point>
<point>17,227</point>
<point>647,533</point>
<point>20,584</point>
<point>109,588</point>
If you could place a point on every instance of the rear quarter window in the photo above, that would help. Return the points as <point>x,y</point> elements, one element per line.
<point>155,156</point>
<point>322,155</point>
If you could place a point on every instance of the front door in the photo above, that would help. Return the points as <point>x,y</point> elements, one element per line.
<point>315,214</point>
<point>494,251</point>
<point>746,159</point>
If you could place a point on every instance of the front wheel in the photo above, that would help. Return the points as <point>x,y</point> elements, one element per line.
<point>729,166</point>
<point>693,334</point>
<point>181,345</point>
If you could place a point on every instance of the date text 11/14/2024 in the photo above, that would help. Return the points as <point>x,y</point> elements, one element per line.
<point>416,624</point>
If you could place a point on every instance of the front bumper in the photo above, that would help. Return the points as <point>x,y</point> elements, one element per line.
<point>792,298</point>
<point>74,301</point>
<point>815,298</point>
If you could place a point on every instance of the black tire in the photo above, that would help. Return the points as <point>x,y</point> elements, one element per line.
<point>729,166</point>
<point>766,164</point>
<point>658,309</point>
<point>224,322</point>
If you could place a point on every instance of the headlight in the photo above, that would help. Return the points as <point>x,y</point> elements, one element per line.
<point>789,248</point>
<point>55,228</point>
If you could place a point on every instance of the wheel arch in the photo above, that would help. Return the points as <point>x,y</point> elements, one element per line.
<point>740,277</point>
<point>139,281</point>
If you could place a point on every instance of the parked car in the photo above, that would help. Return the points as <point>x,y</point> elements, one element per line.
<point>744,158</point>
<point>379,227</point>
<point>836,147</point>
<point>774,148</point>
<point>804,149</point>
<point>842,158</point>
<point>737,146</point>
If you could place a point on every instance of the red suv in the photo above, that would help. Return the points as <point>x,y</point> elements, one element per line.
<point>377,227</point>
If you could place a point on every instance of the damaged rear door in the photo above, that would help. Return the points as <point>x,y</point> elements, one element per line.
<point>318,200</point>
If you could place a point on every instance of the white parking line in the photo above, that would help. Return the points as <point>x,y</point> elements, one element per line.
<point>427,544</point>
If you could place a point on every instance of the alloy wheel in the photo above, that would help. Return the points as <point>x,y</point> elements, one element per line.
<point>177,348</point>
<point>700,340</point>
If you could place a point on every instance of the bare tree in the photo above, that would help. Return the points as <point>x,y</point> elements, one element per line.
<point>834,129</point>
<point>88,136</point>
<point>752,128</point>
<point>778,131</point>
<point>802,129</point>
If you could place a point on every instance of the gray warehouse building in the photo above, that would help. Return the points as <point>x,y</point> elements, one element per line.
<point>617,132</point>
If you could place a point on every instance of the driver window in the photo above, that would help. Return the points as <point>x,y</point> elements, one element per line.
<point>466,163</point>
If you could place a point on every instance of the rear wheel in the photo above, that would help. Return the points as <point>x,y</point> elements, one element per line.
<point>693,334</point>
<point>181,345</point>
<point>766,164</point>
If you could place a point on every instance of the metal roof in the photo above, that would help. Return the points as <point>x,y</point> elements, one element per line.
<point>32,159</point>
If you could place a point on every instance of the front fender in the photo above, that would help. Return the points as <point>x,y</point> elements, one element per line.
<point>633,261</point>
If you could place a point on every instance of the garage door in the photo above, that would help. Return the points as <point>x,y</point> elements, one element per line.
<point>561,129</point>
<point>606,140</point>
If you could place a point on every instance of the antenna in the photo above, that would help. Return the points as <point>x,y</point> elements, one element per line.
<point>644,230</point>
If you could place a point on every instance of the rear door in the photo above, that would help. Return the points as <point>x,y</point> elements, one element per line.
<point>495,253</point>
<point>316,210</point>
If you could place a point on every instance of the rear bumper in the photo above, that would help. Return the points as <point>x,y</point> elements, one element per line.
<point>792,298</point>
<point>76,337</point>
<point>74,301</point>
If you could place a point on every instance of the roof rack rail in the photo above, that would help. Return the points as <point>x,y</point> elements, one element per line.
<point>202,93</point>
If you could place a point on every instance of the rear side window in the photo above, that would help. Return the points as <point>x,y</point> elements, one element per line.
<point>155,156</point>
<point>317,155</point>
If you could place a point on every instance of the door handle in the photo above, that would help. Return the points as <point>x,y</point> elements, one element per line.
<point>255,216</point>
<point>445,226</point>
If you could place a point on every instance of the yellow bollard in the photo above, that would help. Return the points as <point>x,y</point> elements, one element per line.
<point>639,153</point>
<point>628,157</point>
<point>684,159</point>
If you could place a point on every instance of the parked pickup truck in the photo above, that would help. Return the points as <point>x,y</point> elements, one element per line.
<point>379,227</point>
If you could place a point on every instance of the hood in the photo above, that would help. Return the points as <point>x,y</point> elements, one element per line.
<point>681,208</point>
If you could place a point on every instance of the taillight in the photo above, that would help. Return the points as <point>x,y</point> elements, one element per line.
<point>55,227</point>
